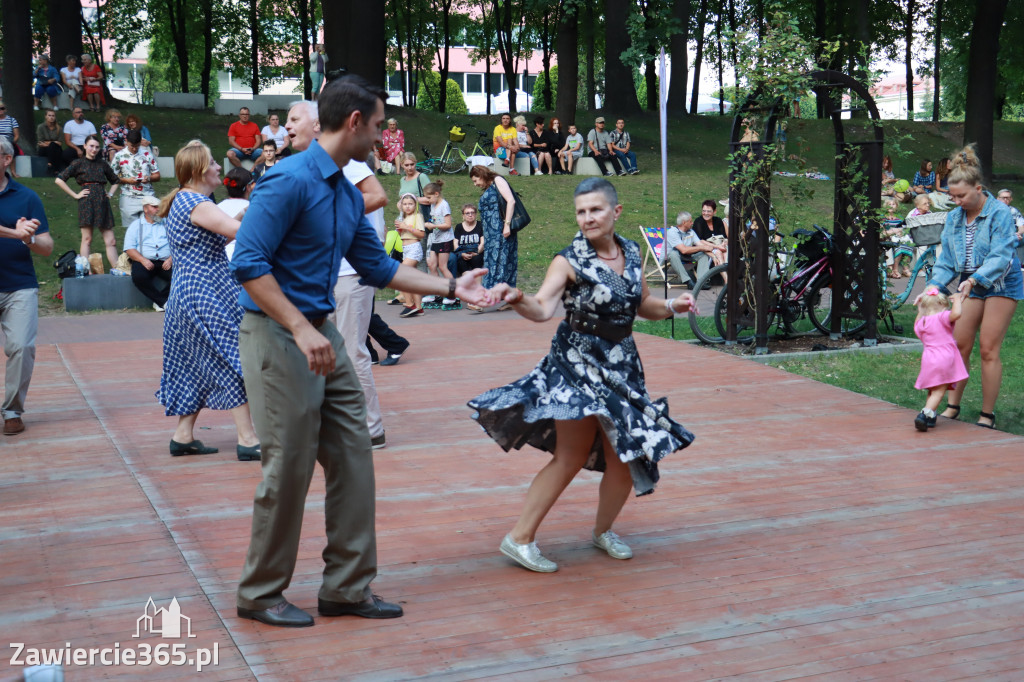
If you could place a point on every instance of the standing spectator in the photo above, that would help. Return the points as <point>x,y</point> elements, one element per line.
<point>239,184</point>
<point>413,183</point>
<point>133,122</point>
<point>709,225</point>
<point>136,169</point>
<point>317,68</point>
<point>24,231</point>
<point>683,246</point>
<point>145,243</point>
<point>392,144</point>
<point>1006,196</point>
<point>501,244</point>
<point>71,76</point>
<point>9,128</point>
<point>924,179</point>
<point>244,139</point>
<point>48,137</point>
<point>92,79</point>
<point>76,132</point>
<point>599,142</point>
<point>506,142</point>
<point>525,150</point>
<point>267,161</point>
<point>540,141</point>
<point>113,133</point>
<point>571,151</point>
<point>47,82</point>
<point>621,147</point>
<point>94,213</point>
<point>201,365</point>
<point>275,132</point>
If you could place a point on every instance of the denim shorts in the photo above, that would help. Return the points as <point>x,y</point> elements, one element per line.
<point>1009,285</point>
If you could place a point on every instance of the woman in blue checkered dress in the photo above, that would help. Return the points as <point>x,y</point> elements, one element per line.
<point>201,363</point>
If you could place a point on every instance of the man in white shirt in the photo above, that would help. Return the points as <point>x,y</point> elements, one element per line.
<point>75,132</point>
<point>146,244</point>
<point>136,169</point>
<point>683,247</point>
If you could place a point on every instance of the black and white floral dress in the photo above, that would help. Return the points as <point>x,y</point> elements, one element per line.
<point>586,375</point>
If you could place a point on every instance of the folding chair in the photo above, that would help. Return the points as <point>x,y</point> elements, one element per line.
<point>654,240</point>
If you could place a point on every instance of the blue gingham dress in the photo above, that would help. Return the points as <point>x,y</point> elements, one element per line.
<point>202,367</point>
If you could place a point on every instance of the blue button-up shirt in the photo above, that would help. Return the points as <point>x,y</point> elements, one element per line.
<point>303,218</point>
<point>16,269</point>
<point>149,239</point>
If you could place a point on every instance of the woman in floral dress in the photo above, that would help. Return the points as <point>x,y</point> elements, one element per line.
<point>586,402</point>
<point>94,212</point>
<point>392,144</point>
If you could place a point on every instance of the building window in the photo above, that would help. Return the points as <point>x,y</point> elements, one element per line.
<point>395,82</point>
<point>498,83</point>
<point>457,76</point>
<point>474,83</point>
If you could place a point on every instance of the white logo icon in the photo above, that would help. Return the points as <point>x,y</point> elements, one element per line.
<point>170,621</point>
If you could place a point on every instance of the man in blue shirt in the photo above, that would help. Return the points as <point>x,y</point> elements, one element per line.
<point>306,400</point>
<point>23,231</point>
<point>146,244</point>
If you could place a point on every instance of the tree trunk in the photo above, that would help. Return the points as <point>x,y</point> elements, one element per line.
<point>678,48</point>
<point>936,97</point>
<point>207,73</point>
<point>702,14</point>
<point>65,30</point>
<point>720,49</point>
<point>337,19</point>
<point>304,47</point>
<point>591,75</point>
<point>506,48</point>
<point>254,46</point>
<point>17,51</point>
<point>619,91</point>
<point>820,28</point>
<point>442,62</point>
<point>567,50</point>
<point>367,54</point>
<point>546,61</point>
<point>176,14</point>
<point>908,37</point>
<point>981,80</point>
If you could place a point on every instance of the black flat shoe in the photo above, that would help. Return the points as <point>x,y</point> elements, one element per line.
<point>196,447</point>
<point>923,422</point>
<point>249,453</point>
<point>987,415</point>
<point>956,415</point>
<point>374,607</point>
<point>283,615</point>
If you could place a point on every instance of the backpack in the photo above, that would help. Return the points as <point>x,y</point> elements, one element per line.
<point>66,264</point>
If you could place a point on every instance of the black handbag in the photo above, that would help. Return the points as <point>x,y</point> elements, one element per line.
<point>66,264</point>
<point>520,217</point>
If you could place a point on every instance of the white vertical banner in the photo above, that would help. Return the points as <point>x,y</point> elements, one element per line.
<point>663,114</point>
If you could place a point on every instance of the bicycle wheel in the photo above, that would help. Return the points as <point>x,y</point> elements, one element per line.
<point>746,324</point>
<point>819,307</point>
<point>703,324</point>
<point>454,161</point>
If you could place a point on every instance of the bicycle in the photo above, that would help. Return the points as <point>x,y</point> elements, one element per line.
<point>428,163</point>
<point>926,232</point>
<point>800,299</point>
<point>453,159</point>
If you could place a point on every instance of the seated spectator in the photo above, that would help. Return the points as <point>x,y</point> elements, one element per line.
<point>239,183</point>
<point>392,144</point>
<point>889,180</point>
<point>571,151</point>
<point>924,180</point>
<point>506,143</point>
<point>525,150</point>
<point>47,82</point>
<point>599,144</point>
<point>71,76</point>
<point>922,205</point>
<point>75,133</point>
<point>92,82</point>
<point>244,139</point>
<point>710,227</point>
<point>266,161</point>
<point>145,243</point>
<point>1006,196</point>
<point>48,139</point>
<point>9,129</point>
<point>555,139</point>
<point>539,142</point>
<point>275,131</point>
<point>113,133</point>
<point>940,197</point>
<point>892,228</point>
<point>621,144</point>
<point>136,168</point>
<point>683,247</point>
<point>133,122</point>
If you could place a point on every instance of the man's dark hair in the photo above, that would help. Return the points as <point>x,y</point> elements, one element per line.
<point>345,95</point>
<point>134,136</point>
<point>269,142</point>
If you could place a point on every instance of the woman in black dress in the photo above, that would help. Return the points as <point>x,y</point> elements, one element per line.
<point>94,212</point>
<point>586,402</point>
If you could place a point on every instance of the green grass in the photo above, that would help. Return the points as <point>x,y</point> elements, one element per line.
<point>697,170</point>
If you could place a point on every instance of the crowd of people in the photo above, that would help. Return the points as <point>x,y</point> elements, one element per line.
<point>544,145</point>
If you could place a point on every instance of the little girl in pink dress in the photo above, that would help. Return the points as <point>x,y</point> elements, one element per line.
<point>941,363</point>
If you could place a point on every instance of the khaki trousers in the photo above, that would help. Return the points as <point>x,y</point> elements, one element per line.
<point>302,419</point>
<point>19,319</point>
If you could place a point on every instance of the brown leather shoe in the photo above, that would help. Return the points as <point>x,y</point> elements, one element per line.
<point>13,427</point>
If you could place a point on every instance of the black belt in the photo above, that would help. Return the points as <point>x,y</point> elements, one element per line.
<point>315,321</point>
<point>590,324</point>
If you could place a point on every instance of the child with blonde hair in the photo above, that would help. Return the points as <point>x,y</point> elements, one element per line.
<point>941,363</point>
<point>904,250</point>
<point>409,225</point>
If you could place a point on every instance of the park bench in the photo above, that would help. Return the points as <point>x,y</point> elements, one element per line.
<point>103,292</point>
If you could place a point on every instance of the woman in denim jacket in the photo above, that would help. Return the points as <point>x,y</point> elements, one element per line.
<point>978,253</point>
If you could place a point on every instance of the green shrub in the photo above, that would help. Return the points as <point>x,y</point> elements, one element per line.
<point>428,96</point>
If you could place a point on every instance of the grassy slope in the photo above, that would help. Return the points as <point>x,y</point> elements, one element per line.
<point>697,170</point>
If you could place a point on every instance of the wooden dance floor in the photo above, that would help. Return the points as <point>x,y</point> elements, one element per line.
<point>809,533</point>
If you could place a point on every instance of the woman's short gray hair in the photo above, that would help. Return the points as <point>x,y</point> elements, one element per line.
<point>391,120</point>
<point>599,186</point>
<point>683,217</point>
<point>519,120</point>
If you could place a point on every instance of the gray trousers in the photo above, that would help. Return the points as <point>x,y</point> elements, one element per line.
<point>302,419</point>
<point>19,319</point>
<point>131,208</point>
<point>700,259</point>
<point>354,308</point>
